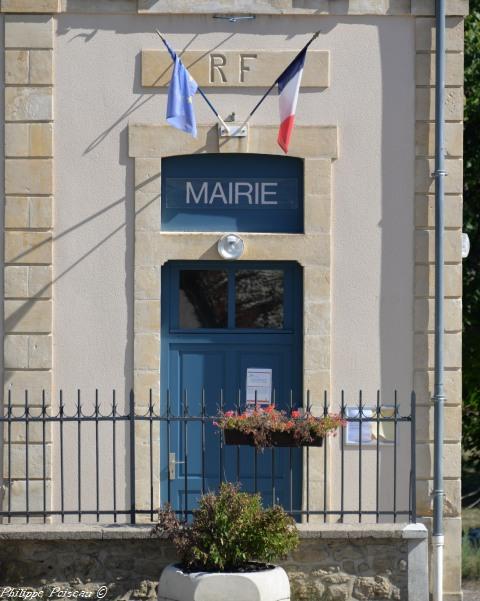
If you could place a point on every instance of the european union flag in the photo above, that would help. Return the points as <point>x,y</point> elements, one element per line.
<point>181,91</point>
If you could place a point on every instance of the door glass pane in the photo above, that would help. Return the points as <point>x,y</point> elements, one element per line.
<point>203,299</point>
<point>259,298</point>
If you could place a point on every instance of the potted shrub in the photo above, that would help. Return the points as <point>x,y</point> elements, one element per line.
<point>268,427</point>
<point>226,550</point>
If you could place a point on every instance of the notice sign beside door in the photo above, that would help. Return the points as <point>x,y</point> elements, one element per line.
<point>259,388</point>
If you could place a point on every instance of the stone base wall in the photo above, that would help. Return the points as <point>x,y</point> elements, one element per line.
<point>334,562</point>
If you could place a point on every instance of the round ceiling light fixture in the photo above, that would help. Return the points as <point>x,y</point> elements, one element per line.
<point>230,247</point>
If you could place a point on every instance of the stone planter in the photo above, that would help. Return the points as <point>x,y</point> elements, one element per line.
<point>279,439</point>
<point>264,585</point>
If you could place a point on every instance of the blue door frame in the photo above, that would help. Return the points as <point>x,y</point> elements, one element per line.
<point>213,363</point>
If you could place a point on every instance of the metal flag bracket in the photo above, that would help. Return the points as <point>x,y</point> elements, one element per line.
<point>233,130</point>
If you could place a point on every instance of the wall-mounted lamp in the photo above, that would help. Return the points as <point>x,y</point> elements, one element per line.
<point>465,246</point>
<point>230,247</point>
<point>235,18</point>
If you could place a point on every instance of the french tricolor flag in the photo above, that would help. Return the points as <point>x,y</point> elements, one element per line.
<point>288,89</point>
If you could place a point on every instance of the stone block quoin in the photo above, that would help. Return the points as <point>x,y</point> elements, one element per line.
<point>424,204</point>
<point>28,223</point>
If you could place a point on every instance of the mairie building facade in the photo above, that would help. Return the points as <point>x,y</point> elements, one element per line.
<point>112,276</point>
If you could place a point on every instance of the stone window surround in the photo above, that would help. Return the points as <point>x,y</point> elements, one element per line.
<point>148,144</point>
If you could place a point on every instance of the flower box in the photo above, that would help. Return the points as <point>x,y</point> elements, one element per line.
<point>269,427</point>
<point>277,439</point>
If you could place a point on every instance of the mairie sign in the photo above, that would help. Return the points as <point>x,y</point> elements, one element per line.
<point>231,193</point>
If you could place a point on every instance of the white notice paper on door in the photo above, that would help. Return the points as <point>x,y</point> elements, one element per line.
<point>259,387</point>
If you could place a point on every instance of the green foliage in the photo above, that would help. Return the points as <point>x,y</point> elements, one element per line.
<point>470,554</point>
<point>470,519</point>
<point>471,279</point>
<point>470,561</point>
<point>229,530</point>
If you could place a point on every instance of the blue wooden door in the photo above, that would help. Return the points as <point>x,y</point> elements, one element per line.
<point>220,320</point>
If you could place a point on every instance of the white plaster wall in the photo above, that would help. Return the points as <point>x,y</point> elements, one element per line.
<point>371,99</point>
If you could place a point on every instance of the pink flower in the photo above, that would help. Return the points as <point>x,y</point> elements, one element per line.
<point>296,414</point>
<point>229,413</point>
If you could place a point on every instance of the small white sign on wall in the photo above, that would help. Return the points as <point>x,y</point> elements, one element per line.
<point>259,387</point>
<point>354,432</point>
<point>369,429</point>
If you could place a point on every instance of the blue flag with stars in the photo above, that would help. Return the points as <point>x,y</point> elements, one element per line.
<point>182,89</point>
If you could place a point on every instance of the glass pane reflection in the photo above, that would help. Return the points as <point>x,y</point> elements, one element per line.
<point>203,299</point>
<point>259,298</point>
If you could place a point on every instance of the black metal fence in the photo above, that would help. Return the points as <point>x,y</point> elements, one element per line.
<point>89,460</point>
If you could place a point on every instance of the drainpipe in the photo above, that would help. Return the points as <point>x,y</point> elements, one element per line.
<point>439,393</point>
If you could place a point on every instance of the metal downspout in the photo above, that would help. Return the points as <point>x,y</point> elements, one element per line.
<point>439,393</point>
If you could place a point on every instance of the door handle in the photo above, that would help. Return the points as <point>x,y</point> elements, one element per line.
<point>172,462</point>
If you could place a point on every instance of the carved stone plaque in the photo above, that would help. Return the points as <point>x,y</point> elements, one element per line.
<point>234,68</point>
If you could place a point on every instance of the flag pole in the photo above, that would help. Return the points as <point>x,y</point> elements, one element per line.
<point>214,110</point>
<point>202,94</point>
<point>313,38</point>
